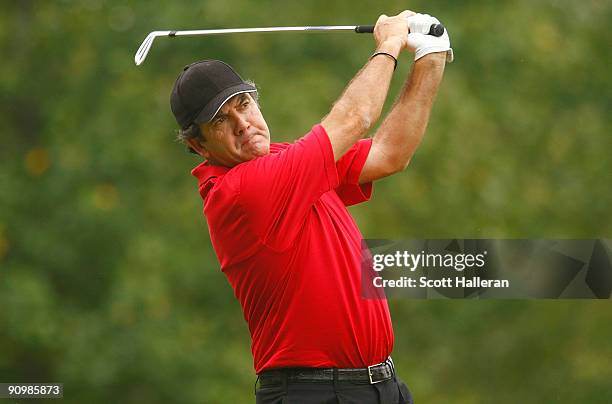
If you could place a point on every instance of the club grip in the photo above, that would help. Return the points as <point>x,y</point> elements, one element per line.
<point>364,29</point>
<point>435,29</point>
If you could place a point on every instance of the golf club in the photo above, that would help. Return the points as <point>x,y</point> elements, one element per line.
<point>143,50</point>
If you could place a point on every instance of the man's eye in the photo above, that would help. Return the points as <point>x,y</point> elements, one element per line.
<point>218,120</point>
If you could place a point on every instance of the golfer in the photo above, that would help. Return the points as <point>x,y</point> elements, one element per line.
<point>278,221</point>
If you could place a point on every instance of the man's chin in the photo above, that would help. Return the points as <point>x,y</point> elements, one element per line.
<point>260,151</point>
<point>263,152</point>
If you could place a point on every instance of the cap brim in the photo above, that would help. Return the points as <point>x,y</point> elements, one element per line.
<point>211,109</point>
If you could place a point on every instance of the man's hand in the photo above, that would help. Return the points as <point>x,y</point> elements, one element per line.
<point>391,33</point>
<point>421,43</point>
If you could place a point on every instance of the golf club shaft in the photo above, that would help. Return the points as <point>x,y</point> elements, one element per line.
<point>143,50</point>
<point>435,30</point>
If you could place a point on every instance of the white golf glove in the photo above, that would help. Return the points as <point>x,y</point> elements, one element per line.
<point>421,43</point>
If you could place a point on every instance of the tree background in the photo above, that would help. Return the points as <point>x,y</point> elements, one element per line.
<point>109,284</point>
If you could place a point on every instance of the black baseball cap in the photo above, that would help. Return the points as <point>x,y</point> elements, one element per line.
<point>201,90</point>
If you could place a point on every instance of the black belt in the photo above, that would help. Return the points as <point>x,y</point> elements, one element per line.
<point>372,374</point>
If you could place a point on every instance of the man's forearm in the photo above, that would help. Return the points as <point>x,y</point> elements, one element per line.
<point>360,106</point>
<point>402,130</point>
<point>366,93</point>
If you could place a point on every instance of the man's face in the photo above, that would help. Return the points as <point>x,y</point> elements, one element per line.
<point>236,134</point>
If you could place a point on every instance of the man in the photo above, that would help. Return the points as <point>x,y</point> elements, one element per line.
<point>278,221</point>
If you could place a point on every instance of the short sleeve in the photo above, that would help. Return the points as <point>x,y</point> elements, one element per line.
<point>277,191</point>
<point>349,169</point>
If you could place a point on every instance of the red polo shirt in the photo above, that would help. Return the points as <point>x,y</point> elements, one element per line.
<point>292,253</point>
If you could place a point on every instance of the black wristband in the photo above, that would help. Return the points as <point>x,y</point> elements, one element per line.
<point>387,54</point>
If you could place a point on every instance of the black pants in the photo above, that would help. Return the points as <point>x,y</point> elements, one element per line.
<point>393,391</point>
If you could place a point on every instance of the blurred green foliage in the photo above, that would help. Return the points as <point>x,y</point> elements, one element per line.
<point>108,282</point>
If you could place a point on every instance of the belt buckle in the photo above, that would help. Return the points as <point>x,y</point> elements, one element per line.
<point>370,373</point>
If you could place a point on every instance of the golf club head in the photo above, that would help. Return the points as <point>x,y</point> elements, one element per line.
<point>144,48</point>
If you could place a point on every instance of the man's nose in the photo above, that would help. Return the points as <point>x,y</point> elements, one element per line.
<point>242,124</point>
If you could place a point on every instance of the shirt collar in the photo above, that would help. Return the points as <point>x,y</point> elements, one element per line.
<point>207,173</point>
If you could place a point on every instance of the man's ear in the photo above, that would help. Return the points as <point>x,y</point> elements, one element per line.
<point>199,146</point>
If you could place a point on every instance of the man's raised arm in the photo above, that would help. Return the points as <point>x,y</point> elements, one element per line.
<point>361,104</point>
<point>401,132</point>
